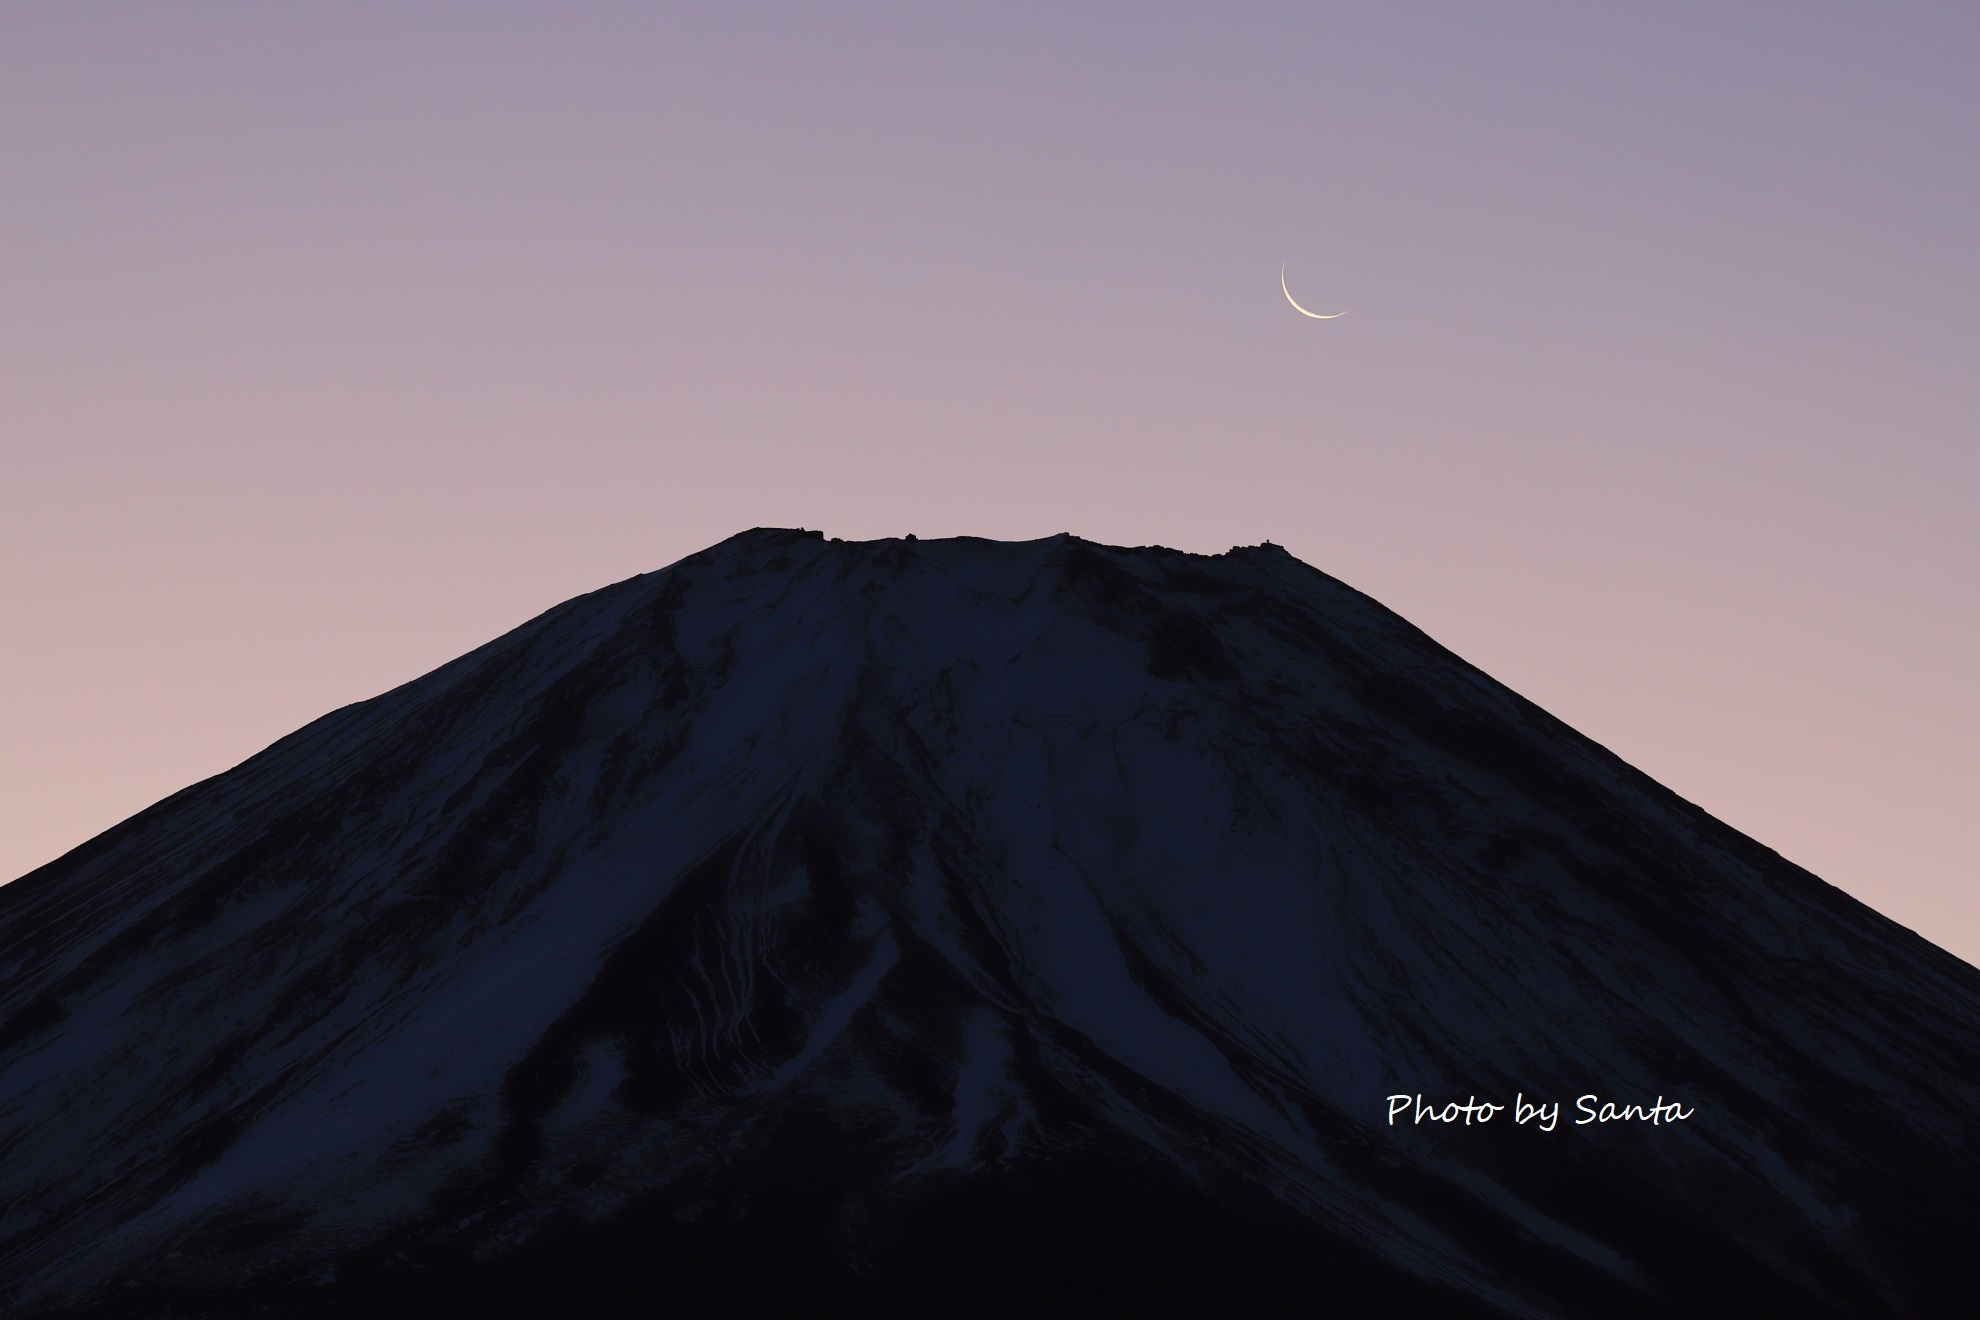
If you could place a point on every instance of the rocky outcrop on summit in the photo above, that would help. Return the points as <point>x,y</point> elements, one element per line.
<point>959,927</point>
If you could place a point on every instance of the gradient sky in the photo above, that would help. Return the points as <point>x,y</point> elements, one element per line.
<point>338,339</point>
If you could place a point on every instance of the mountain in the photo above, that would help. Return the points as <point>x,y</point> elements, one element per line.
<point>966,928</point>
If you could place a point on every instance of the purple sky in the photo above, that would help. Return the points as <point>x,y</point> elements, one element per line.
<point>337,339</point>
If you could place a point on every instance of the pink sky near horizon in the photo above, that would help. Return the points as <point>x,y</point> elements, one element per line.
<point>335,341</point>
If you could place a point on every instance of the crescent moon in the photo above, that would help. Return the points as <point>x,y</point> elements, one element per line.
<point>1301,310</point>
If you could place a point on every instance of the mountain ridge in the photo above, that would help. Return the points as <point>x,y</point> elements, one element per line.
<point>823,874</point>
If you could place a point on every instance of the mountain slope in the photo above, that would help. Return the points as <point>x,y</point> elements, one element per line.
<point>961,927</point>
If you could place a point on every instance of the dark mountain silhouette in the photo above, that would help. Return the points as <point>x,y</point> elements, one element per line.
<point>961,928</point>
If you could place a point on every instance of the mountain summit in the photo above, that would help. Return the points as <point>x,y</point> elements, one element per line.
<point>956,927</point>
